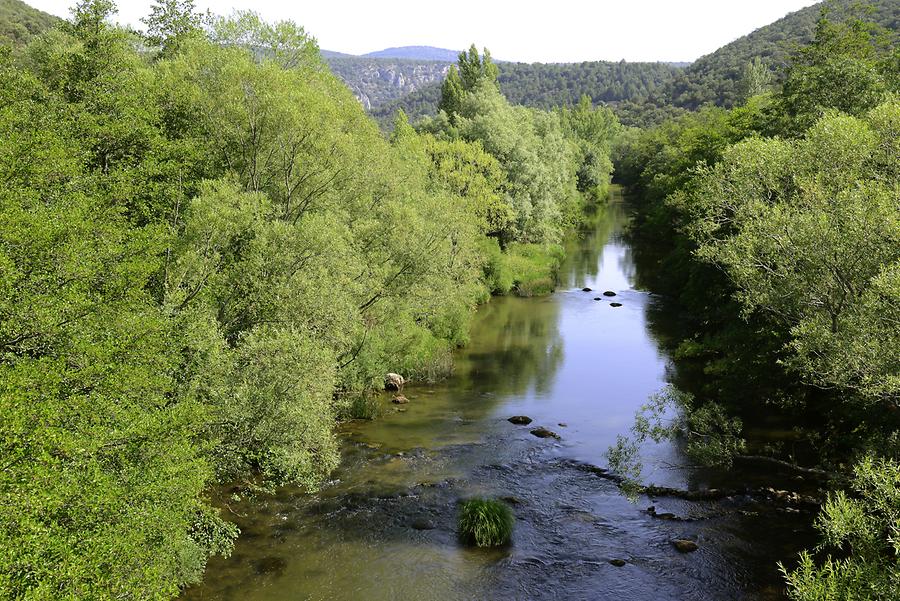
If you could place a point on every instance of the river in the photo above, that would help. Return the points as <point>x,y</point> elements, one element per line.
<point>384,527</point>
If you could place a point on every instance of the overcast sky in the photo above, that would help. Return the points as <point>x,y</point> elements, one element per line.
<point>549,31</point>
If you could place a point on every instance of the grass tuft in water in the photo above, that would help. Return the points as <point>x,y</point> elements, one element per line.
<point>359,406</point>
<point>485,523</point>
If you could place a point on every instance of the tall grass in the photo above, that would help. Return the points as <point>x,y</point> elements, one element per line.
<point>486,523</point>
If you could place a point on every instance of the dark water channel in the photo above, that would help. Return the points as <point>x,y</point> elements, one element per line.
<point>384,529</point>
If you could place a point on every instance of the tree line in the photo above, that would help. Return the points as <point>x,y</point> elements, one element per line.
<point>209,254</point>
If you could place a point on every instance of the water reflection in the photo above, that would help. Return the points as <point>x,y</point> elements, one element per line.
<point>516,346</point>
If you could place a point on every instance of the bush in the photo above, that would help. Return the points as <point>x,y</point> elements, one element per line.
<point>497,275</point>
<point>485,523</point>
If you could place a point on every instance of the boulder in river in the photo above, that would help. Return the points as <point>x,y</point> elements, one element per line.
<point>520,420</point>
<point>400,400</point>
<point>586,289</point>
<point>597,298</point>
<point>609,293</point>
<point>615,304</point>
<point>684,545</point>
<point>618,562</point>
<point>394,381</point>
<point>422,524</point>
<point>543,432</point>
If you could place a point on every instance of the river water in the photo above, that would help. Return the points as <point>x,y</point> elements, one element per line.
<point>384,528</point>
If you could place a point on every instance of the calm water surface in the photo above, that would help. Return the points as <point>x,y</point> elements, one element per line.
<point>384,529</point>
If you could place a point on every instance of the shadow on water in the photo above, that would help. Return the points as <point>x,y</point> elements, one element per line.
<point>384,528</point>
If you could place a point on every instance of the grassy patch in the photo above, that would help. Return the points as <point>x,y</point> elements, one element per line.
<point>533,267</point>
<point>521,269</point>
<point>359,405</point>
<point>486,523</point>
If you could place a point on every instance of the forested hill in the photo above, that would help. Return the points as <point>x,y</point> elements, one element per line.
<point>548,85</point>
<point>715,78</point>
<point>19,22</point>
<point>644,93</point>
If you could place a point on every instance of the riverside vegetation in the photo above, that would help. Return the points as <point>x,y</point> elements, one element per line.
<point>776,229</point>
<point>208,253</point>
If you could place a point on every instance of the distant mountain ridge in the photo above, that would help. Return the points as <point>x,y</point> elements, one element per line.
<point>420,53</point>
<point>414,53</point>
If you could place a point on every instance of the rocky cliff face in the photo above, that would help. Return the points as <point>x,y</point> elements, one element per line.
<point>376,82</point>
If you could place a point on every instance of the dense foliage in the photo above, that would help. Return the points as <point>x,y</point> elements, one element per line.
<point>552,163</point>
<point>778,233</point>
<point>208,253</point>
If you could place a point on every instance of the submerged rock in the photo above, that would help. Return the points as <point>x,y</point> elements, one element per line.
<point>543,432</point>
<point>609,293</point>
<point>618,562</point>
<point>662,516</point>
<point>270,565</point>
<point>400,400</point>
<point>597,298</point>
<point>684,545</point>
<point>394,381</point>
<point>422,524</point>
<point>615,304</point>
<point>520,420</point>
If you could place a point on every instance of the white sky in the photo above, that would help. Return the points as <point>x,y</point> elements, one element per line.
<point>554,31</point>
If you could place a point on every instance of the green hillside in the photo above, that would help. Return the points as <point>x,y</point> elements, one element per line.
<point>715,77</point>
<point>19,22</point>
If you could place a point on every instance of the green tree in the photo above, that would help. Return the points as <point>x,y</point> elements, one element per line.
<point>452,94</point>
<point>475,69</point>
<point>285,42</point>
<point>170,22</point>
<point>839,70</point>
<point>102,485</point>
<point>755,80</point>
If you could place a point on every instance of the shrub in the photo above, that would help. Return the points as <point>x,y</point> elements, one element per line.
<point>485,523</point>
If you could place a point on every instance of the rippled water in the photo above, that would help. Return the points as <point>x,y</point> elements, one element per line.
<point>385,528</point>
